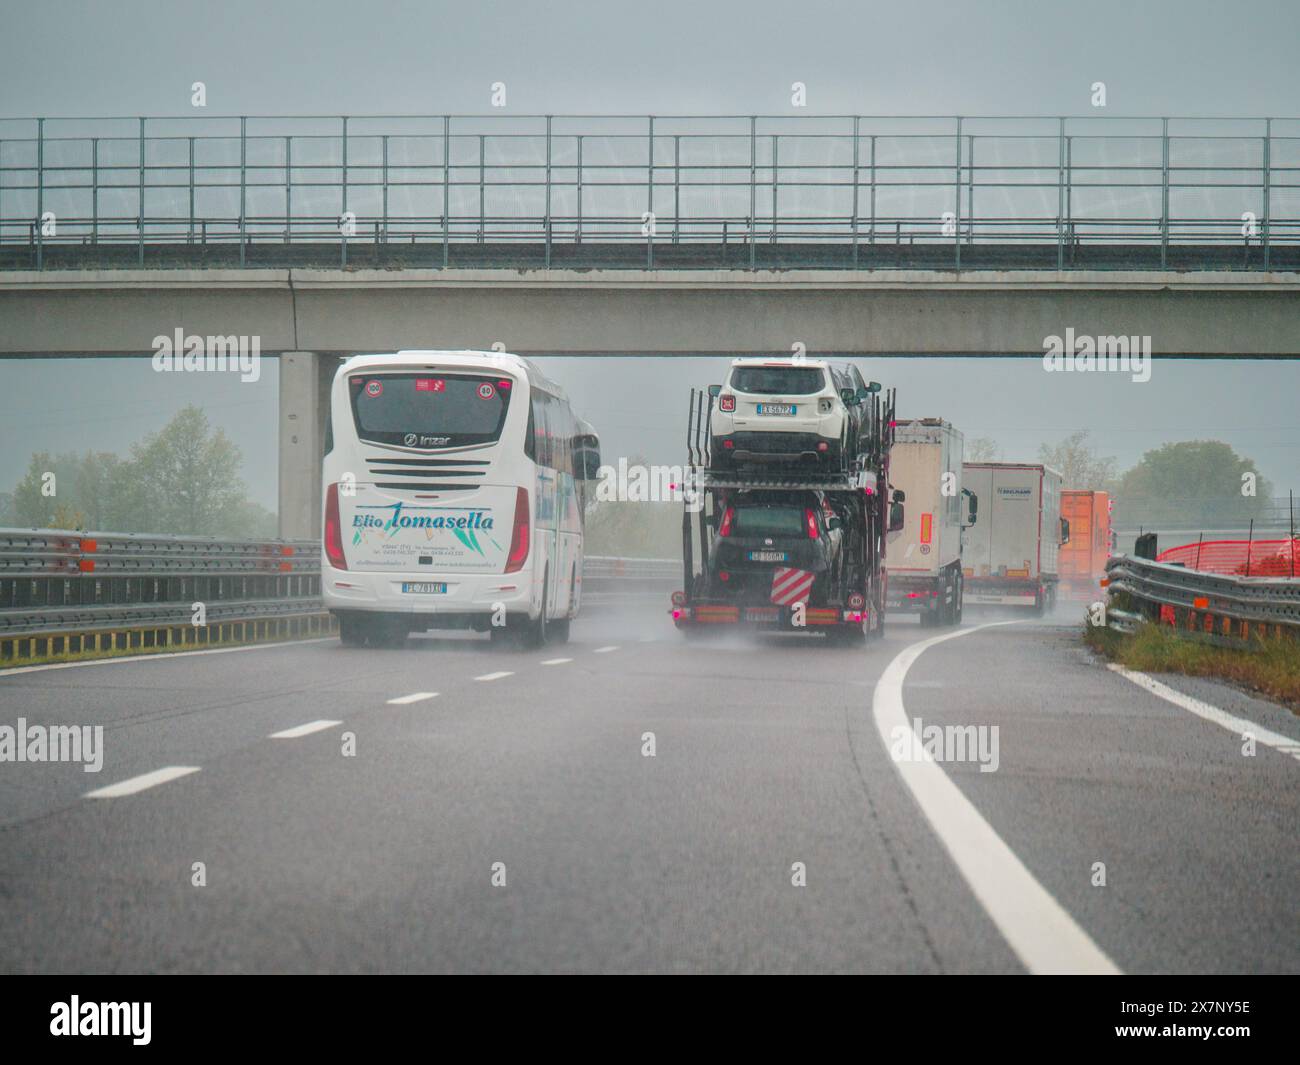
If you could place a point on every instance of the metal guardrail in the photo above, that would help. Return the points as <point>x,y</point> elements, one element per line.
<point>684,192</point>
<point>1225,609</point>
<point>56,581</point>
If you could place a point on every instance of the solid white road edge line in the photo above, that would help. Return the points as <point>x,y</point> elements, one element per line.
<point>162,656</point>
<point>143,781</point>
<point>414,697</point>
<point>303,730</point>
<point>1034,924</point>
<point>1239,725</point>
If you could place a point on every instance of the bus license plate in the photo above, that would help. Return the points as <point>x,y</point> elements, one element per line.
<point>424,588</point>
<point>777,408</point>
<point>767,556</point>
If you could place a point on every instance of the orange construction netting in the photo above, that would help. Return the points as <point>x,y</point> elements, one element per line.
<point>1239,558</point>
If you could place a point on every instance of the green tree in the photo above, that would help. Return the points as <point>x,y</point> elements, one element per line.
<point>183,479</point>
<point>1079,464</point>
<point>1194,481</point>
<point>50,481</point>
<point>186,475</point>
<point>982,449</point>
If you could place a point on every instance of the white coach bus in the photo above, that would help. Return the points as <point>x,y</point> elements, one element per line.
<point>454,484</point>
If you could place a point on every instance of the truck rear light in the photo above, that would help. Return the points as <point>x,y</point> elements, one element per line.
<point>727,403</point>
<point>521,536</point>
<point>727,445</point>
<point>823,446</point>
<point>810,521</point>
<point>724,575</point>
<point>728,516</point>
<point>334,530</point>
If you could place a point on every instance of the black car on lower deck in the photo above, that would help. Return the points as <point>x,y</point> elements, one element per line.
<point>759,532</point>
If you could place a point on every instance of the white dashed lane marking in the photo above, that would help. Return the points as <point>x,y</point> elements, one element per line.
<point>496,676</point>
<point>414,697</point>
<point>303,730</point>
<point>142,782</point>
<point>605,650</point>
<point>556,661</point>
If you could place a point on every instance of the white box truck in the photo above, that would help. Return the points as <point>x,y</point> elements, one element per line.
<point>1011,555</point>
<point>924,558</point>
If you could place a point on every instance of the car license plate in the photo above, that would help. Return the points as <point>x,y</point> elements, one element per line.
<point>777,408</point>
<point>424,588</point>
<point>767,556</point>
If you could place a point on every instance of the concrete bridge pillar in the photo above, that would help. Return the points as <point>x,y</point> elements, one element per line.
<point>305,378</point>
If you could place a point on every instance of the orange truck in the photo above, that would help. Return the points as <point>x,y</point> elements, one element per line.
<point>1083,559</point>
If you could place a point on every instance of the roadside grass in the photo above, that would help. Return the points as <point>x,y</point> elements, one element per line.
<point>1273,670</point>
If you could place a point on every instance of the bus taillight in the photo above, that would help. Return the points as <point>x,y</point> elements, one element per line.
<point>334,530</point>
<point>522,534</point>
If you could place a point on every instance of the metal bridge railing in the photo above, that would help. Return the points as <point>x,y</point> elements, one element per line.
<point>825,190</point>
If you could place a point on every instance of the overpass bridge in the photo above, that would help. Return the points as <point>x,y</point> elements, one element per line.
<point>326,236</point>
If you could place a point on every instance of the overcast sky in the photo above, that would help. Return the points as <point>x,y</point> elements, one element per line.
<point>332,57</point>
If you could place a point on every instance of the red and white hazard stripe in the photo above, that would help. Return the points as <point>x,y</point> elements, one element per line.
<point>790,586</point>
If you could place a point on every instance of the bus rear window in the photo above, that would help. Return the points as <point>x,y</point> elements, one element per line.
<point>429,409</point>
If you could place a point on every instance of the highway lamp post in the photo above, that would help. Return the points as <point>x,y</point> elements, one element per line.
<point>94,189</point>
<point>383,147</point>
<point>577,238</point>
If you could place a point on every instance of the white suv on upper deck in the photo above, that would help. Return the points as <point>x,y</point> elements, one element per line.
<point>787,411</point>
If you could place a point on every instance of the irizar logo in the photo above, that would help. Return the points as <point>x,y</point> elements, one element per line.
<point>464,525</point>
<point>102,1018</point>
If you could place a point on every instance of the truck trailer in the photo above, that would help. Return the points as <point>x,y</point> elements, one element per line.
<point>925,556</point>
<point>793,550</point>
<point>1083,558</point>
<point>1011,556</point>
